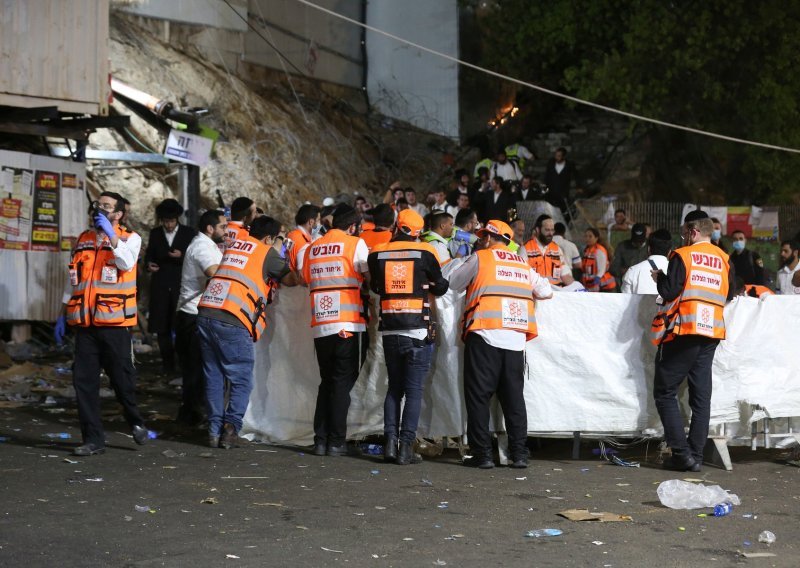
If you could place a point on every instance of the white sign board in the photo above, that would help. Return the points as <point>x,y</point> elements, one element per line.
<point>188,148</point>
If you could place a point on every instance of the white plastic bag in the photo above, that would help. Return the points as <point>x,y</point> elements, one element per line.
<point>678,494</point>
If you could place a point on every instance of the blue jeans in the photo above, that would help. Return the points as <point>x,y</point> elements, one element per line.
<point>407,361</point>
<point>228,356</point>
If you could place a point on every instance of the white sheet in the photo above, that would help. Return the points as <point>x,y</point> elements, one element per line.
<point>590,369</point>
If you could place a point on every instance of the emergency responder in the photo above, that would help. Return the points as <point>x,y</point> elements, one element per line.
<point>698,282</point>
<point>545,256</point>
<point>439,235</point>
<point>333,267</point>
<point>231,317</point>
<point>498,321</point>
<point>403,273</point>
<point>243,211</point>
<point>382,217</point>
<point>307,230</point>
<point>100,305</point>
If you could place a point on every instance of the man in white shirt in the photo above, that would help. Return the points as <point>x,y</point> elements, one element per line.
<point>571,252</point>
<point>439,203</point>
<point>505,168</point>
<point>200,263</point>
<point>498,321</point>
<point>789,272</point>
<point>413,204</point>
<point>638,278</point>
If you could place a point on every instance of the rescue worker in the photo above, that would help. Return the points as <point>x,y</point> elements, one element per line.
<point>519,154</point>
<point>484,164</point>
<point>439,235</point>
<point>243,212</point>
<point>687,330</point>
<point>383,219</point>
<point>333,268</point>
<point>595,263</point>
<point>498,321</point>
<point>307,230</point>
<point>231,317</point>
<point>545,256</point>
<point>404,272</point>
<point>100,306</point>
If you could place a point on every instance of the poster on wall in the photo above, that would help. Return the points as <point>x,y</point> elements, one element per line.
<point>16,200</point>
<point>72,210</point>
<point>46,191</point>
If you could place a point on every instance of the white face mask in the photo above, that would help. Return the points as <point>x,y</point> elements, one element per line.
<point>315,230</point>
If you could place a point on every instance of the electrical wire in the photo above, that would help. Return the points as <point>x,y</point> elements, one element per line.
<point>544,89</point>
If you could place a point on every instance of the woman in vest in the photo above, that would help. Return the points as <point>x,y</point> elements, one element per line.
<point>595,264</point>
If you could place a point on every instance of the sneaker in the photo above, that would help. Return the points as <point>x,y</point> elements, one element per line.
<point>140,434</point>
<point>89,450</point>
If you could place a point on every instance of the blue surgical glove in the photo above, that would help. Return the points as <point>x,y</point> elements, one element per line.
<point>463,250</point>
<point>283,250</point>
<point>465,236</point>
<point>60,330</point>
<point>101,223</point>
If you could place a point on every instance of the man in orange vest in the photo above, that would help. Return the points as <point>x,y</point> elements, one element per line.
<point>404,272</point>
<point>231,316</point>
<point>243,211</point>
<point>545,256</point>
<point>382,217</point>
<point>698,283</point>
<point>333,267</point>
<point>498,321</point>
<point>307,229</point>
<point>100,305</point>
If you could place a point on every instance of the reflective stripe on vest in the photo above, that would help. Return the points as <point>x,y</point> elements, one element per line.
<point>295,241</point>
<point>501,294</point>
<point>238,286</point>
<point>332,279</point>
<point>102,294</point>
<point>589,268</point>
<point>699,309</point>
<point>403,284</point>
<point>546,263</point>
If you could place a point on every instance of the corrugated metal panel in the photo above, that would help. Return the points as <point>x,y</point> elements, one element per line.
<point>54,52</point>
<point>321,46</point>
<point>203,12</point>
<point>404,82</point>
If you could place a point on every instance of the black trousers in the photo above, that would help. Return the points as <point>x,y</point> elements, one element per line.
<point>685,357</point>
<point>108,348</point>
<point>187,346</point>
<point>339,361</point>
<point>489,370</point>
<point>162,321</point>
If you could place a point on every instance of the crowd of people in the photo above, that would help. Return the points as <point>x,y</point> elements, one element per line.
<point>211,287</point>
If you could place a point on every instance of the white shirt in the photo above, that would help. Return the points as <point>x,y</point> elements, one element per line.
<point>507,171</point>
<point>638,280</point>
<point>170,235</point>
<point>201,254</point>
<point>509,339</point>
<point>419,208</point>
<point>452,210</point>
<point>360,265</point>
<point>439,207</point>
<point>571,252</point>
<point>785,287</point>
<point>560,167</point>
<point>126,254</point>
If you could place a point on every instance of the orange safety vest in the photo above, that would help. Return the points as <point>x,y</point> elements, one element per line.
<point>332,279</point>
<point>699,308</point>
<point>295,241</point>
<point>236,231</point>
<point>102,294</point>
<point>757,291</point>
<point>501,294</point>
<point>374,238</point>
<point>589,268</point>
<point>238,286</point>
<point>367,226</point>
<point>546,263</point>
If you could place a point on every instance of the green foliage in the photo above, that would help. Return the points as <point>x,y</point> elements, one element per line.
<point>726,66</point>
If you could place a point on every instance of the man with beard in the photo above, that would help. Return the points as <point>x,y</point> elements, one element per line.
<point>789,272</point>
<point>748,264</point>
<point>545,256</point>
<point>200,263</point>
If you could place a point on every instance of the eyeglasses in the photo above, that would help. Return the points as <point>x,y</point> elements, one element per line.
<point>104,206</point>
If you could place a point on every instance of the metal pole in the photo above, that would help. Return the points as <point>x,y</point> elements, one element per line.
<point>192,203</point>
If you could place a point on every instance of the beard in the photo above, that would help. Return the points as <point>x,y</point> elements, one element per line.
<point>788,261</point>
<point>545,239</point>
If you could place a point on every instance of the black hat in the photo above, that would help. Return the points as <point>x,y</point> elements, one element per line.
<point>638,232</point>
<point>169,209</point>
<point>344,216</point>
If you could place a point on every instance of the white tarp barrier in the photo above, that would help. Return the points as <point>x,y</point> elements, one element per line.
<point>590,369</point>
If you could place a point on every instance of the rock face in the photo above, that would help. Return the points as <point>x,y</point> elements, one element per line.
<point>272,149</point>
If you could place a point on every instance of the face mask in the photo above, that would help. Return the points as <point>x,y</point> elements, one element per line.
<point>738,246</point>
<point>315,230</point>
<point>716,234</point>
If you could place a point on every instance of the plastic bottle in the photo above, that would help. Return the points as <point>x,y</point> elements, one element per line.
<point>723,509</point>
<point>543,532</point>
<point>767,537</point>
<point>372,449</point>
<point>58,435</point>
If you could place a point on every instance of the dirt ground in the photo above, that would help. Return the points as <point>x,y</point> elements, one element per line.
<point>175,502</point>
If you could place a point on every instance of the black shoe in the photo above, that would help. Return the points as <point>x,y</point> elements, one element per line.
<point>88,450</point>
<point>320,449</point>
<point>228,439</point>
<point>682,463</point>
<point>335,451</point>
<point>481,462</point>
<point>406,454</point>
<point>140,434</point>
<point>390,449</point>
<point>518,463</point>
